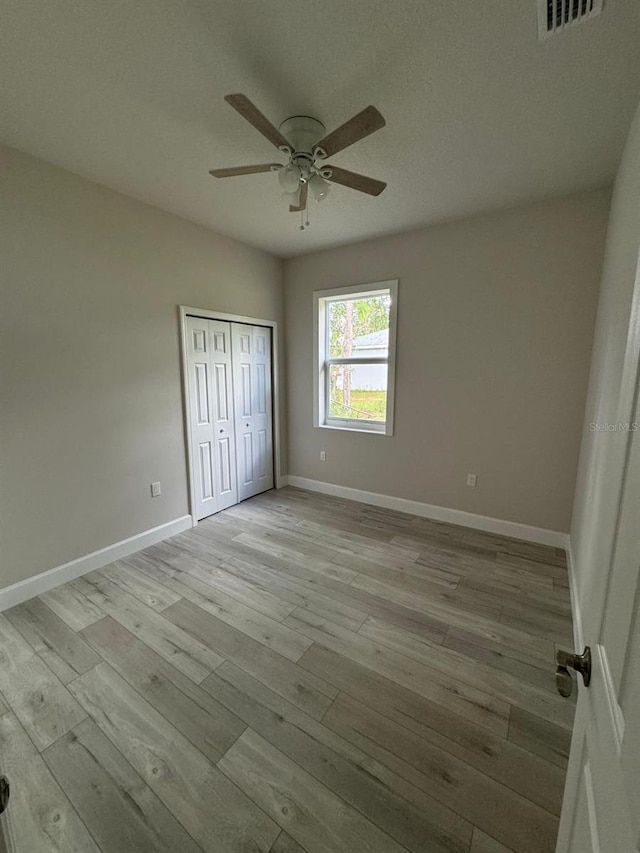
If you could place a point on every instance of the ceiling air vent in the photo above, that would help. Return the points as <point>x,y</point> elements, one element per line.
<point>554,16</point>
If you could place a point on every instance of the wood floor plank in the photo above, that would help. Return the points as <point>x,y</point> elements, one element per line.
<point>505,591</point>
<point>422,533</point>
<point>469,702</point>
<point>401,573</point>
<point>276,538</point>
<point>192,545</point>
<point>298,685</point>
<point>260,599</point>
<point>483,628</point>
<point>542,568</point>
<point>530,829</point>
<point>325,541</point>
<point>466,564</point>
<point>274,635</point>
<point>192,658</point>
<point>72,607</point>
<point>217,815</point>
<point>38,699</point>
<point>483,843</point>
<point>517,547</point>
<point>299,593</point>
<point>454,558</point>
<point>208,725</point>
<point>308,811</point>
<point>515,689</point>
<point>535,675</point>
<point>447,612</point>
<point>284,843</point>
<point>398,808</point>
<point>155,568</point>
<point>140,586</point>
<point>116,805</point>
<point>40,818</point>
<point>263,546</point>
<point>538,621</point>
<point>421,587</point>
<point>345,598</point>
<point>538,780</point>
<point>64,652</point>
<point>544,738</point>
<point>539,652</point>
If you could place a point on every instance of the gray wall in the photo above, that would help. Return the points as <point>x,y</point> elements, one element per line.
<point>602,453</point>
<point>495,324</point>
<point>90,396</point>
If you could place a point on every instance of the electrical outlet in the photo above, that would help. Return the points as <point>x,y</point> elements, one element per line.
<point>323,455</point>
<point>156,491</point>
<point>471,479</point>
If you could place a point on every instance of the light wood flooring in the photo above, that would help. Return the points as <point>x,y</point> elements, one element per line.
<point>297,673</point>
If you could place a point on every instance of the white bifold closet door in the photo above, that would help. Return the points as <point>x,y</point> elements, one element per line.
<point>229,390</point>
<point>251,347</point>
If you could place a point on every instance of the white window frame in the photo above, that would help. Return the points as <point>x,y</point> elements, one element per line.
<point>321,358</point>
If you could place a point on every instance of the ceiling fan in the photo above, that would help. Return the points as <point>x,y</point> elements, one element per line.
<point>306,145</point>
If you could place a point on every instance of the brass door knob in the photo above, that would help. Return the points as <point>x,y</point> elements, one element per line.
<point>581,663</point>
<point>5,790</point>
<point>564,681</point>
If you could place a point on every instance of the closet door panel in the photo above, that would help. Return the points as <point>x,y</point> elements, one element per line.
<point>252,379</point>
<point>262,397</point>
<point>223,414</point>
<point>200,415</point>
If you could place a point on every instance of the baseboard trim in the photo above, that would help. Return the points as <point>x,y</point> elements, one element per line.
<point>513,529</point>
<point>43,582</point>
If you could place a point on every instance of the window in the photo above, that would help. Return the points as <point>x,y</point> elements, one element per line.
<point>355,331</point>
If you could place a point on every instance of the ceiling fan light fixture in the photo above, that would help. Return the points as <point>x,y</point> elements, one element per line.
<point>292,198</point>
<point>289,178</point>
<point>319,187</point>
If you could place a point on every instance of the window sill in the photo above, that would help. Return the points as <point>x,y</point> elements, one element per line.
<point>364,430</point>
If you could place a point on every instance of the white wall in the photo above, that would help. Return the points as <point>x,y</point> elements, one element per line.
<point>495,324</point>
<point>602,453</point>
<point>90,388</point>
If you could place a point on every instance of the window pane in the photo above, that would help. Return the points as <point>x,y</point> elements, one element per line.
<point>358,391</point>
<point>359,328</point>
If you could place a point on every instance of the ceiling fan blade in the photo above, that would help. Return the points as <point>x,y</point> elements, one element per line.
<point>361,125</point>
<point>242,170</point>
<point>355,181</point>
<point>302,201</point>
<point>253,115</point>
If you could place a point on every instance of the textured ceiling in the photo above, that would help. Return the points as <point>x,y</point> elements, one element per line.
<point>480,114</point>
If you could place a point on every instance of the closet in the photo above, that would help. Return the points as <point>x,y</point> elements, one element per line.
<point>230,412</point>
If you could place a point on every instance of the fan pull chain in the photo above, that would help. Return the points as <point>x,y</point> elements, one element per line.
<point>304,224</point>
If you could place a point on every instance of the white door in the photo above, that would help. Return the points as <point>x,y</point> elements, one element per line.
<point>224,440</point>
<point>252,392</point>
<point>601,808</point>
<point>201,416</point>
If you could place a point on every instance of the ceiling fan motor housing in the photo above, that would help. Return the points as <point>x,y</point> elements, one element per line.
<point>304,132</point>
